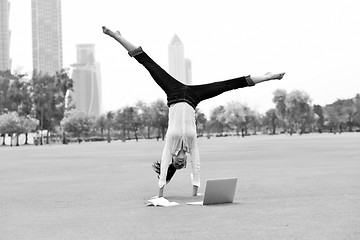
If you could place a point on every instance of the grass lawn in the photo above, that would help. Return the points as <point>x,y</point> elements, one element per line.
<point>289,187</point>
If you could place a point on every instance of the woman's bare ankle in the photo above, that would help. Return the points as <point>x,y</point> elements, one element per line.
<point>279,76</point>
<point>267,77</point>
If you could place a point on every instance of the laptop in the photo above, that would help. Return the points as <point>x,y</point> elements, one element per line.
<point>218,191</point>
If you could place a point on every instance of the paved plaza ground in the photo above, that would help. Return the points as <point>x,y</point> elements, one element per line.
<point>289,187</point>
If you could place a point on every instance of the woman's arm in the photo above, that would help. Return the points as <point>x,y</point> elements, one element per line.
<point>161,192</point>
<point>195,190</point>
<point>195,167</point>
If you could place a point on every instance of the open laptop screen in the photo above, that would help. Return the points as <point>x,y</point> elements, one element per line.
<point>220,191</point>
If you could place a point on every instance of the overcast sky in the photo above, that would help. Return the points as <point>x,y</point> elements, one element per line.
<point>316,42</point>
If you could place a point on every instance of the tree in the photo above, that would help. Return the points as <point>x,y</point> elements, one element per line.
<point>160,117</point>
<point>119,123</point>
<point>145,115</point>
<point>77,123</point>
<point>239,116</point>
<point>14,93</point>
<point>356,101</point>
<point>200,121</point>
<point>62,85</point>
<point>63,82</point>
<point>134,120</point>
<point>128,121</point>
<point>298,108</point>
<point>271,119</point>
<point>319,117</point>
<point>255,119</point>
<point>109,121</point>
<point>43,93</point>
<point>48,96</point>
<point>10,124</point>
<point>279,99</point>
<point>331,117</point>
<point>250,117</point>
<point>348,112</point>
<point>342,113</point>
<point>28,124</point>
<point>101,124</point>
<point>19,95</point>
<point>234,116</point>
<point>5,102</point>
<point>217,119</point>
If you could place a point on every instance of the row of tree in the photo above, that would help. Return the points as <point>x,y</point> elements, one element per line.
<point>38,103</point>
<point>42,97</point>
<point>130,122</point>
<point>294,111</point>
<point>39,99</point>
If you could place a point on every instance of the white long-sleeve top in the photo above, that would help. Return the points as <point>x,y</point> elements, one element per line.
<point>181,133</point>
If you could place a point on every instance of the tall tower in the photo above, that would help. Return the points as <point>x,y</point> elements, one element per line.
<point>188,70</point>
<point>5,62</point>
<point>46,36</point>
<point>179,67</point>
<point>87,80</point>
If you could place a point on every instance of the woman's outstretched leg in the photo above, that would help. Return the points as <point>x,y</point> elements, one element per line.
<point>210,90</point>
<point>117,36</point>
<point>161,77</point>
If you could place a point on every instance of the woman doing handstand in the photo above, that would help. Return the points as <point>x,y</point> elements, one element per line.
<point>182,100</point>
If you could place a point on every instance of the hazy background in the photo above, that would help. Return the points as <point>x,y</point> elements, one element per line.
<point>315,42</point>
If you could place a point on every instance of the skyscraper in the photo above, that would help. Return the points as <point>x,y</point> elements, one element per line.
<point>179,67</point>
<point>5,62</point>
<point>87,80</point>
<point>46,36</point>
<point>188,70</point>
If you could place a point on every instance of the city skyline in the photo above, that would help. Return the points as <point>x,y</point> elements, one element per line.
<point>47,52</point>
<point>179,66</point>
<point>87,81</point>
<point>318,52</point>
<point>5,61</point>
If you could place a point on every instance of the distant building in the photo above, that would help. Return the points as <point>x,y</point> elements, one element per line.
<point>87,80</point>
<point>5,61</point>
<point>179,67</point>
<point>188,71</point>
<point>46,36</point>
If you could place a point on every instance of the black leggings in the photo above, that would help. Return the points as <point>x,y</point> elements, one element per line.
<point>179,92</point>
